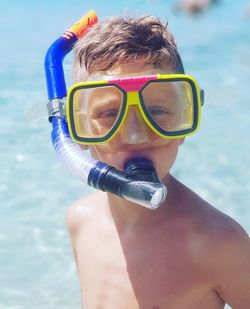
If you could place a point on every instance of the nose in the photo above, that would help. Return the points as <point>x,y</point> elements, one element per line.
<point>134,129</point>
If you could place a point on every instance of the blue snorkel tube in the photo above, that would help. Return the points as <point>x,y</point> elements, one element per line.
<point>139,183</point>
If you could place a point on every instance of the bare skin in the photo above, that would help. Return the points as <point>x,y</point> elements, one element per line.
<point>183,255</point>
<point>186,254</point>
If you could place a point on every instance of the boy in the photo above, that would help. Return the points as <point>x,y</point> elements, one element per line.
<point>185,254</point>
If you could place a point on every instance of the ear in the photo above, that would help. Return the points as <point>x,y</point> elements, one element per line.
<point>181,140</point>
<point>84,147</point>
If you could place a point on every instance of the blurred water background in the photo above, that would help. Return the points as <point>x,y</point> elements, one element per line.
<point>37,266</point>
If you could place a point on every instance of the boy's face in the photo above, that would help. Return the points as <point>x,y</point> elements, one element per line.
<point>135,138</point>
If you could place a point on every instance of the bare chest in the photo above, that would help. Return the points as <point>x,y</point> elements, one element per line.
<point>140,272</point>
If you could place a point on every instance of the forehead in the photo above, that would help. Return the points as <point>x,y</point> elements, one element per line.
<point>128,70</point>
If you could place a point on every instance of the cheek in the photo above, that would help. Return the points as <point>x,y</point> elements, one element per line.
<point>102,153</point>
<point>164,158</point>
<point>84,147</point>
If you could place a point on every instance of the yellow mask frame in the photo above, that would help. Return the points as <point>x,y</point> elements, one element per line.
<point>132,95</point>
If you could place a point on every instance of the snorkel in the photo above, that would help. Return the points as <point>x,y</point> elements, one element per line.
<point>139,182</point>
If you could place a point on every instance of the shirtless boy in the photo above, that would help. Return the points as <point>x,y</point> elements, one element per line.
<point>185,254</point>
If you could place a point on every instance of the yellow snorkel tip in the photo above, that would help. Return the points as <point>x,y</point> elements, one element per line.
<point>82,25</point>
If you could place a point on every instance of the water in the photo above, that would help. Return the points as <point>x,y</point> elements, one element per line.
<point>37,266</point>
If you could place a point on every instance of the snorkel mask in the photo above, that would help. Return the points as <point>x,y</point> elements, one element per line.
<point>139,182</point>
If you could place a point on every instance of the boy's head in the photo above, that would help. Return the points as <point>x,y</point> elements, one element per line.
<point>121,47</point>
<point>120,40</point>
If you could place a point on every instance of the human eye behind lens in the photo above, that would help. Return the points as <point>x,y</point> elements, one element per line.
<point>159,110</point>
<point>108,113</point>
<point>102,109</point>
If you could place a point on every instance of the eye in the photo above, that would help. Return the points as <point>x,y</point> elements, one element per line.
<point>158,111</point>
<point>110,113</point>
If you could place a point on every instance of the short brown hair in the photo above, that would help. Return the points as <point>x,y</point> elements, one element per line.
<point>127,39</point>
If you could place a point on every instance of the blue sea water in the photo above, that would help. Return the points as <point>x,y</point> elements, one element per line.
<point>37,266</point>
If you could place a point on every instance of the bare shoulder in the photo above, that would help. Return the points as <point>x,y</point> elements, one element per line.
<point>209,228</point>
<point>219,235</point>
<point>207,221</point>
<point>220,248</point>
<point>221,238</point>
<point>80,212</point>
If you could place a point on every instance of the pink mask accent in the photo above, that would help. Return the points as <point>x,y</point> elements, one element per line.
<point>134,83</point>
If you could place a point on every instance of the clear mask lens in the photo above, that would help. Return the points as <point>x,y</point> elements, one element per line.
<point>96,110</point>
<point>169,105</point>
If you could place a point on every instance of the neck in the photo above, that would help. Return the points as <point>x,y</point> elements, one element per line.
<point>127,214</point>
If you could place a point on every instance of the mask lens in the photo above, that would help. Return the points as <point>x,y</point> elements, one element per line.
<point>169,105</point>
<point>96,110</point>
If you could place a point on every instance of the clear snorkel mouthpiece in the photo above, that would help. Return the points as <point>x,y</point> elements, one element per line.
<point>139,183</point>
<point>144,185</point>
